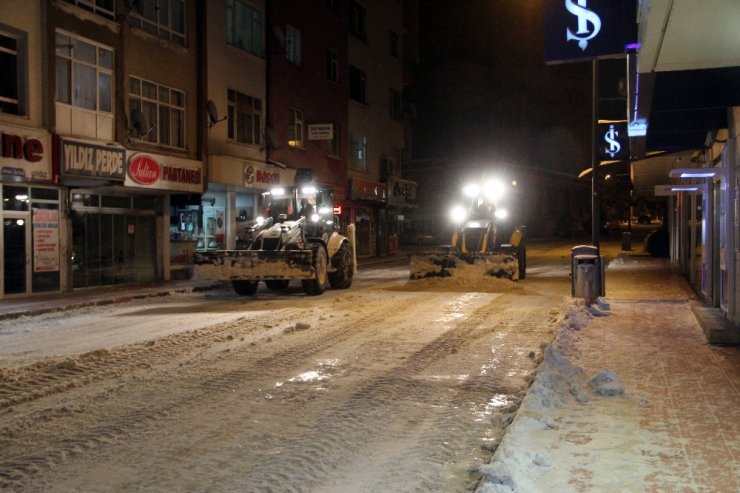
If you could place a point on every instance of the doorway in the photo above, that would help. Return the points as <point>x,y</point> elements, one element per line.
<point>16,265</point>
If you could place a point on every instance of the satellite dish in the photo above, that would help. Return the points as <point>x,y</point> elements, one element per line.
<point>139,125</point>
<point>213,113</point>
<point>279,37</point>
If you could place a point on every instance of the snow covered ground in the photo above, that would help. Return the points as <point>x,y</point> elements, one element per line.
<point>436,385</point>
<point>629,397</point>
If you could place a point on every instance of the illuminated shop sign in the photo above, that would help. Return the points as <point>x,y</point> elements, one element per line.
<point>612,141</point>
<point>586,29</point>
<point>257,176</point>
<point>25,153</point>
<point>164,173</point>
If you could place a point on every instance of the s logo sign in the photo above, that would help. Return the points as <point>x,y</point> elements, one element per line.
<point>585,17</point>
<point>613,147</point>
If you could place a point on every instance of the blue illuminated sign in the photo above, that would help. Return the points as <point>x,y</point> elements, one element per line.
<point>577,30</point>
<point>612,141</point>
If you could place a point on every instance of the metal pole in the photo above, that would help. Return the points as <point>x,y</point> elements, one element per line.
<point>595,211</point>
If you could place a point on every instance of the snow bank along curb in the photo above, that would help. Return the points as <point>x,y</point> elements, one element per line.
<point>41,307</point>
<point>518,464</point>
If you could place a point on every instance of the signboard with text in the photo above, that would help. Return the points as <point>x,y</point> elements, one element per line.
<point>367,190</point>
<point>25,153</point>
<point>248,174</point>
<point>577,30</point>
<point>160,172</point>
<point>45,240</point>
<point>320,131</point>
<point>80,158</point>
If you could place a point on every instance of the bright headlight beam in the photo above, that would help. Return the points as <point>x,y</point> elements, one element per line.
<point>471,190</point>
<point>458,214</point>
<point>493,190</point>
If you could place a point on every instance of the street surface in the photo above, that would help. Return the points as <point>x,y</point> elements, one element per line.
<point>392,385</point>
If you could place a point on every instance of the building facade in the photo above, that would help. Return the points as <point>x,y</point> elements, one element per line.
<point>134,133</point>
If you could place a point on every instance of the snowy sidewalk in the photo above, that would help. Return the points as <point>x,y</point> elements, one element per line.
<point>628,398</point>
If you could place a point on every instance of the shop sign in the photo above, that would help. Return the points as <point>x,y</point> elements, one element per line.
<point>401,192</point>
<point>25,153</point>
<point>368,190</point>
<point>164,173</point>
<point>144,170</point>
<point>320,131</point>
<point>578,30</point>
<point>248,173</point>
<point>257,176</point>
<point>612,141</point>
<point>45,240</point>
<point>91,160</point>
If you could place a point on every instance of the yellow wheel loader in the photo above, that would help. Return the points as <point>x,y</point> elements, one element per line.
<point>474,246</point>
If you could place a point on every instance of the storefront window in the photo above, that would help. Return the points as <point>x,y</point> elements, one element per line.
<point>15,198</point>
<point>31,241</point>
<point>114,243</point>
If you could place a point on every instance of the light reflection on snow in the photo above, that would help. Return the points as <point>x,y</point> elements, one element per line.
<point>325,367</point>
<point>496,402</point>
<point>455,309</point>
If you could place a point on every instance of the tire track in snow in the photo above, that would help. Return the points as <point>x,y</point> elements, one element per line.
<point>344,431</point>
<point>19,469</point>
<point>58,375</point>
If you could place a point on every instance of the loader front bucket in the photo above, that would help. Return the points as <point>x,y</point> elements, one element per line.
<point>254,265</point>
<point>468,265</point>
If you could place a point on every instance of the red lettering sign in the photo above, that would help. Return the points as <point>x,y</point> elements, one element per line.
<point>267,177</point>
<point>14,147</point>
<point>144,170</point>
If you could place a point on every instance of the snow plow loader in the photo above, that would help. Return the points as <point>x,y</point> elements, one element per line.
<point>474,249</point>
<point>295,241</point>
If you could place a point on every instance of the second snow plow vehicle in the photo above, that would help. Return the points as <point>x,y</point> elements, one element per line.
<point>296,241</point>
<point>474,247</point>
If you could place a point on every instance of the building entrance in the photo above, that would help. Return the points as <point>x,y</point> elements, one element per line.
<point>112,245</point>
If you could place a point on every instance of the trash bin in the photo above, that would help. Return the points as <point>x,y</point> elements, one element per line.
<point>626,241</point>
<point>586,281</point>
<point>586,272</point>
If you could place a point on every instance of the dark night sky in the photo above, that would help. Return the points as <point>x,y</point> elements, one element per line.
<point>484,95</point>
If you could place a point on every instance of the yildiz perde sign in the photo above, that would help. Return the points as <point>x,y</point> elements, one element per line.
<point>578,30</point>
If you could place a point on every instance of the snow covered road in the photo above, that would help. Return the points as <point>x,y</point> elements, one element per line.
<point>388,386</point>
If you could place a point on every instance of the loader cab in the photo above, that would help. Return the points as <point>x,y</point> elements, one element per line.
<point>318,209</point>
<point>280,205</point>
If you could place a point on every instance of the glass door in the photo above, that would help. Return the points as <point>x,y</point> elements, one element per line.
<point>16,265</point>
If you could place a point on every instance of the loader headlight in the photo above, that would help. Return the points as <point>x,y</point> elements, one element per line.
<point>325,210</point>
<point>501,213</point>
<point>493,190</point>
<point>260,220</point>
<point>309,190</point>
<point>277,192</point>
<point>471,190</point>
<point>315,218</point>
<point>458,214</point>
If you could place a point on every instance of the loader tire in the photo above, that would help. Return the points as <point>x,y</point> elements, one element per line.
<point>244,288</point>
<point>277,285</point>
<point>317,285</point>
<point>341,278</point>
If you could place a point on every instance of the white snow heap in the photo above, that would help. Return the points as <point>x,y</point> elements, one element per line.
<point>521,460</point>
